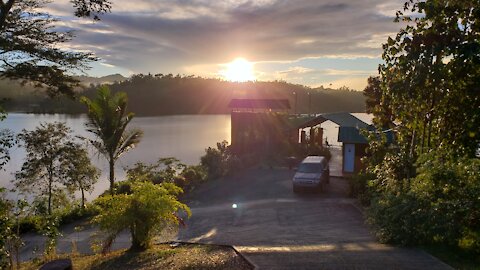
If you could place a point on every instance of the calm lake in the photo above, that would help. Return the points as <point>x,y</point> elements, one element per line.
<point>182,136</point>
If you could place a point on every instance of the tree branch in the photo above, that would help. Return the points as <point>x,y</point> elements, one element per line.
<point>4,10</point>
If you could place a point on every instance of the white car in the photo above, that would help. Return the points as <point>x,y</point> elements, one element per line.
<point>312,173</point>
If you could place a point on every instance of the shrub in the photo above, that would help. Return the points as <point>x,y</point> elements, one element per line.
<point>145,212</point>
<point>191,177</point>
<point>216,160</point>
<point>438,206</point>
<point>359,187</point>
<point>5,230</point>
<point>165,170</point>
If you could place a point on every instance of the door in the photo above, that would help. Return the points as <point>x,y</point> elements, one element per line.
<point>349,158</point>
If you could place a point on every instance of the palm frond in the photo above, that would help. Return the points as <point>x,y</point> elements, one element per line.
<point>130,139</point>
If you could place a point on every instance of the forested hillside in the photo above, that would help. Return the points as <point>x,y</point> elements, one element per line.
<point>167,94</point>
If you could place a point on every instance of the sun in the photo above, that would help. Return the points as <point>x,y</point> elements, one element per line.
<point>239,70</point>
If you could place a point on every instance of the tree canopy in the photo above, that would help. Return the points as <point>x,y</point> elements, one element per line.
<point>424,188</point>
<point>48,159</point>
<point>431,74</point>
<point>30,44</point>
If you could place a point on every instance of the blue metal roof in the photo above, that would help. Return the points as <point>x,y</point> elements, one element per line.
<point>354,135</point>
<point>343,119</point>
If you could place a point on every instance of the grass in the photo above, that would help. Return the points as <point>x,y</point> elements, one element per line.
<point>455,257</point>
<point>189,256</point>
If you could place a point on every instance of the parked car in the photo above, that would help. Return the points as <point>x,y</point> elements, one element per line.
<point>312,173</point>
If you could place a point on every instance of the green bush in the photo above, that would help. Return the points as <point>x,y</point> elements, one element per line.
<point>216,160</point>
<point>440,205</point>
<point>303,150</point>
<point>69,214</point>
<point>165,170</point>
<point>222,161</point>
<point>145,212</point>
<point>30,224</point>
<point>359,187</point>
<point>5,230</point>
<point>191,177</point>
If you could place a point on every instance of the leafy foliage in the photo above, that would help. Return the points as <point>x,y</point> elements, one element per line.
<point>145,212</point>
<point>50,230</point>
<point>431,74</point>
<point>108,120</point>
<point>49,158</point>
<point>7,140</point>
<point>80,174</point>
<point>30,50</point>
<point>438,206</point>
<point>168,170</point>
<point>5,229</point>
<point>30,44</point>
<point>11,214</point>
<point>43,166</point>
<point>217,161</point>
<point>377,103</point>
<point>424,188</point>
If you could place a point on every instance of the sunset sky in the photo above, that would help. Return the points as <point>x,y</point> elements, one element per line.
<point>308,42</point>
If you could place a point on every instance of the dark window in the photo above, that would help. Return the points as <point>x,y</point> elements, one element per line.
<point>310,168</point>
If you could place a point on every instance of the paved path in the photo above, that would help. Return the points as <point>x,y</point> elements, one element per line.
<point>277,229</point>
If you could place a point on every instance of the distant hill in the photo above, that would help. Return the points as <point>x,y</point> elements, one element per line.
<point>168,94</point>
<point>109,79</point>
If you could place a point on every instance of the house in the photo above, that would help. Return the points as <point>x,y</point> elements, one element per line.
<point>354,143</point>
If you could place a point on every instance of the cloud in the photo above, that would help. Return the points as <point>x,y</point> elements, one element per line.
<point>170,36</point>
<point>355,79</point>
<point>106,65</point>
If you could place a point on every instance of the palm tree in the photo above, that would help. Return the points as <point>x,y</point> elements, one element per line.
<point>108,120</point>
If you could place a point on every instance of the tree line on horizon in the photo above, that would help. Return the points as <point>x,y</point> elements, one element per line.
<point>161,94</point>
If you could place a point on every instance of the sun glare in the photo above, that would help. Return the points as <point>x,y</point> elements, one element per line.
<point>239,70</point>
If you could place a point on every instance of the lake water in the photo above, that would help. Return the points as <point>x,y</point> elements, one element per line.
<point>182,136</point>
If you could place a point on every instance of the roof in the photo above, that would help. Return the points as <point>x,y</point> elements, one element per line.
<point>342,119</point>
<point>313,159</point>
<point>353,135</point>
<point>274,104</point>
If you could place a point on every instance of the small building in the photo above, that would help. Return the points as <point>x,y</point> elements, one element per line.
<point>354,144</point>
<point>258,124</point>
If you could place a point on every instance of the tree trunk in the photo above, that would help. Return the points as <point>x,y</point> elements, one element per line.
<point>83,197</point>
<point>50,195</point>
<point>138,239</point>
<point>112,174</point>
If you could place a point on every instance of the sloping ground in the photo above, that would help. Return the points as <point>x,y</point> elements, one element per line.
<point>277,229</point>
<point>162,257</point>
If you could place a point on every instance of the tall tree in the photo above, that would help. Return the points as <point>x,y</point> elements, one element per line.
<point>377,103</point>
<point>80,174</point>
<point>47,159</point>
<point>108,120</point>
<point>30,44</point>
<point>373,93</point>
<point>431,74</point>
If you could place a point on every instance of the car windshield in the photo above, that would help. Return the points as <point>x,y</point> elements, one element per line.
<point>310,168</point>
